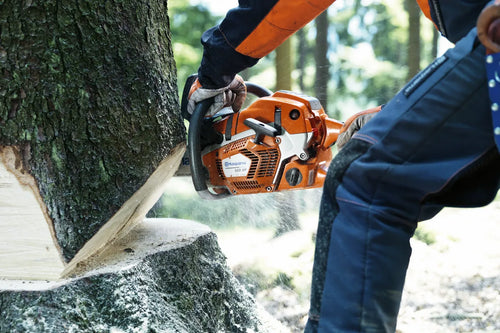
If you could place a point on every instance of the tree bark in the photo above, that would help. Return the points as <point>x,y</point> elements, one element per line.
<point>88,107</point>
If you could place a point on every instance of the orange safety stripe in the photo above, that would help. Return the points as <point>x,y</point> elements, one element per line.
<point>426,9</point>
<point>285,18</point>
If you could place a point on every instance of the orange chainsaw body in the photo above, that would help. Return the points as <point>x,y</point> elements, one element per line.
<point>294,156</point>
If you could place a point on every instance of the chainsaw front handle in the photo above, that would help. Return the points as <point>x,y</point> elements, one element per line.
<point>488,27</point>
<point>199,174</point>
<point>257,90</point>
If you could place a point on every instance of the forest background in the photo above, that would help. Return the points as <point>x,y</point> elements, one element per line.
<point>354,56</point>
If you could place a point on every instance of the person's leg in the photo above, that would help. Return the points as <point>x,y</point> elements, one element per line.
<point>328,212</point>
<point>399,168</point>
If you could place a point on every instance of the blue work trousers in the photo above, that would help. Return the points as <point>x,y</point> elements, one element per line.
<point>431,146</point>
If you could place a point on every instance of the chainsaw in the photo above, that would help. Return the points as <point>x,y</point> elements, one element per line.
<point>281,141</point>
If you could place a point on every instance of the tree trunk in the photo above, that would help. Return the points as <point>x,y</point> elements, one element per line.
<point>284,66</point>
<point>301,59</point>
<point>89,119</point>
<point>435,43</point>
<point>321,57</point>
<point>413,38</point>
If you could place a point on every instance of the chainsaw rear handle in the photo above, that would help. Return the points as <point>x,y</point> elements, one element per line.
<point>199,174</point>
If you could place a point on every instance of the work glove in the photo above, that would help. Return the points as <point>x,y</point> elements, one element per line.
<point>232,95</point>
<point>354,123</point>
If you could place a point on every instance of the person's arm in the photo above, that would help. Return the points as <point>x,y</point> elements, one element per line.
<point>248,33</point>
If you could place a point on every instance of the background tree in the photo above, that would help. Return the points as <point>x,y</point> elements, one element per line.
<point>413,38</point>
<point>302,50</point>
<point>283,63</point>
<point>322,76</point>
<point>368,64</point>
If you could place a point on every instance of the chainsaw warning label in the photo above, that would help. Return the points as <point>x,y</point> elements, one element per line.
<point>236,166</point>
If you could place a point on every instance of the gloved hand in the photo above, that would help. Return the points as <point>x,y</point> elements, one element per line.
<point>233,95</point>
<point>354,123</point>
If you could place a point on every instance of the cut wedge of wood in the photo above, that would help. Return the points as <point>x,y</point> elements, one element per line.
<point>27,242</point>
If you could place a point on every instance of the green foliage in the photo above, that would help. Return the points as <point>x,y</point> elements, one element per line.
<point>187,24</point>
<point>284,280</point>
<point>425,236</point>
<point>369,54</point>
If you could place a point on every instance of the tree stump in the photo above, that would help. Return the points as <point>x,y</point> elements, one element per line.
<point>163,276</point>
